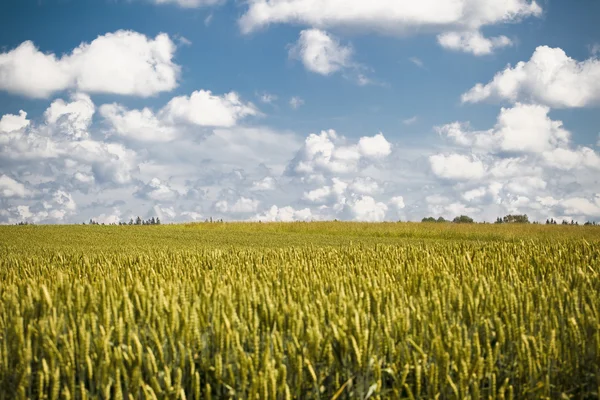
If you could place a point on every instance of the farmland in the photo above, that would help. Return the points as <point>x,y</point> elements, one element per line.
<point>302,310</point>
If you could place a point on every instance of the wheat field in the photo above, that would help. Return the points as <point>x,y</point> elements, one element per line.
<point>300,311</point>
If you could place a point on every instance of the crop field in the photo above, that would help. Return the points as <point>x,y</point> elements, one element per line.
<point>300,311</point>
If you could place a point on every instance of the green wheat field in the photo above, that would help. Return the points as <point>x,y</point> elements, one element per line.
<point>300,311</point>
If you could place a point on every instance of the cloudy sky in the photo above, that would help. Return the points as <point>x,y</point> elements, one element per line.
<point>281,110</point>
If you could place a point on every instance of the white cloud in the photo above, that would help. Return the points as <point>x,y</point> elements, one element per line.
<point>550,77</point>
<point>374,147</point>
<point>567,159</point>
<point>328,153</point>
<point>123,62</point>
<point>472,42</point>
<point>321,53</point>
<point>366,208</point>
<point>191,3</point>
<point>296,102</point>
<point>364,186</point>
<point>55,206</point>
<point>109,218</point>
<point>201,108</point>
<point>318,195</point>
<point>74,118</point>
<point>63,142</point>
<point>578,206</point>
<point>284,214</point>
<point>391,17</point>
<point>457,167</point>
<point>265,184</point>
<point>11,188</point>
<point>417,61</point>
<point>522,128</point>
<point>205,109</point>
<point>157,191</point>
<point>397,202</point>
<point>474,194</point>
<point>137,124</point>
<point>242,206</point>
<point>10,122</point>
<point>162,212</point>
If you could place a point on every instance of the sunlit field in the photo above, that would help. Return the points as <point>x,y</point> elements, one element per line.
<point>304,311</point>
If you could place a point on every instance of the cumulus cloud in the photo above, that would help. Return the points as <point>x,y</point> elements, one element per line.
<point>10,122</point>
<point>457,166</point>
<point>284,214</point>
<point>391,17</point>
<point>157,191</point>
<point>265,184</point>
<point>550,77</point>
<point>73,118</point>
<point>63,142</point>
<point>522,128</point>
<point>321,53</point>
<point>328,153</point>
<point>11,188</point>
<point>366,208</point>
<point>568,159</point>
<point>201,108</point>
<point>242,205</point>
<point>472,42</point>
<point>123,62</point>
<point>54,205</point>
<point>205,109</point>
<point>397,202</point>
<point>521,165</point>
<point>137,124</point>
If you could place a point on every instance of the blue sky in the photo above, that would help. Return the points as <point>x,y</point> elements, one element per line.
<point>116,131</point>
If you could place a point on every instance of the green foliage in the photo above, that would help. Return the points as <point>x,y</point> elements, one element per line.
<point>302,310</point>
<point>515,219</point>
<point>463,219</point>
<point>431,219</point>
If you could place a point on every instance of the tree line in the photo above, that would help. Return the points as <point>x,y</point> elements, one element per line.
<point>507,219</point>
<point>137,221</point>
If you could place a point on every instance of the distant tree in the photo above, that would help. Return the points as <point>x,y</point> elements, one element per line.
<point>441,220</point>
<point>157,221</point>
<point>153,221</point>
<point>138,221</point>
<point>516,219</point>
<point>428,219</point>
<point>498,220</point>
<point>463,219</point>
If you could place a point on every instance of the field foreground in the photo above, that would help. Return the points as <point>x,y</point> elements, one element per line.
<point>303,310</point>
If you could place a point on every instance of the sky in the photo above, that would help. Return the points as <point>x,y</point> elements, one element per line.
<point>298,110</point>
